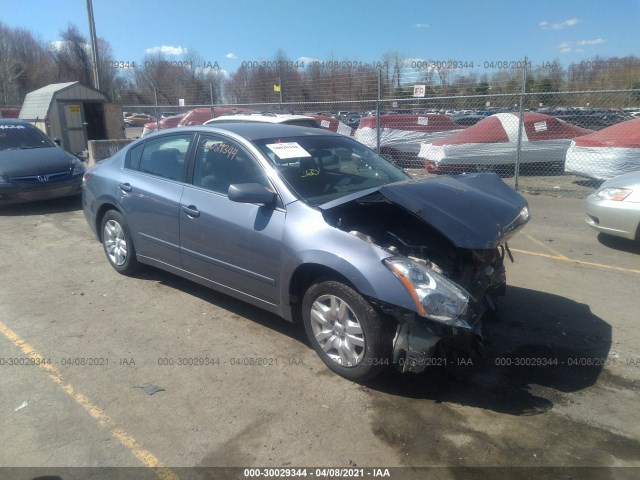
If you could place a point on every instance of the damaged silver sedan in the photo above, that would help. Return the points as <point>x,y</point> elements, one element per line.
<point>313,226</point>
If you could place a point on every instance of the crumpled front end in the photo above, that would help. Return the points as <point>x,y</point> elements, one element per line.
<point>447,239</point>
<point>422,341</point>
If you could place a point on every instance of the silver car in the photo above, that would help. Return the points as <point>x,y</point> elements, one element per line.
<point>315,227</point>
<point>614,208</point>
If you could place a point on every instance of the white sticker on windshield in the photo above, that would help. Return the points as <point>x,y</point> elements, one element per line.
<point>288,150</point>
<point>423,120</point>
<point>540,126</point>
<point>325,123</point>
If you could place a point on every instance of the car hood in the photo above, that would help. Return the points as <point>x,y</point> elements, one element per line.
<point>34,161</point>
<point>477,211</point>
<point>627,180</point>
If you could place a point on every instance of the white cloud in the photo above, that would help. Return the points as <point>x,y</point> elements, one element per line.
<point>231,56</point>
<point>567,47</point>
<point>166,50</point>
<point>212,72</point>
<point>595,41</point>
<point>58,45</point>
<point>307,60</point>
<point>421,25</point>
<point>419,64</point>
<point>572,22</point>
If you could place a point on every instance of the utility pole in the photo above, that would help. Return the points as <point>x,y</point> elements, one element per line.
<point>280,84</point>
<point>521,123</point>
<point>94,45</point>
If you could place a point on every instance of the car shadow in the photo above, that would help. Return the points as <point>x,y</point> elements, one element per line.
<point>42,207</point>
<point>542,169</point>
<point>537,348</point>
<point>618,243</point>
<point>589,183</point>
<point>237,307</point>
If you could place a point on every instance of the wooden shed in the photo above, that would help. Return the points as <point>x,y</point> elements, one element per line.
<point>71,112</point>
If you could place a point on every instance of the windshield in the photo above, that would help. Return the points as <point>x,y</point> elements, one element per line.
<point>303,122</point>
<point>16,137</point>
<point>322,168</point>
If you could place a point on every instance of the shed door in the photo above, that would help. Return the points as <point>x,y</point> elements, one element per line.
<point>74,136</point>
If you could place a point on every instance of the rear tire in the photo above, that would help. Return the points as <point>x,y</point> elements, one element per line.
<point>350,337</point>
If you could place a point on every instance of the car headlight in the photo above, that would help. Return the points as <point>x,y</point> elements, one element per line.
<point>617,194</point>
<point>78,167</point>
<point>435,296</point>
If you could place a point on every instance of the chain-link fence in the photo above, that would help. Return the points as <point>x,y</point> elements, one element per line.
<point>561,142</point>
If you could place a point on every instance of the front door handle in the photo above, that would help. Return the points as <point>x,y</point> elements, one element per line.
<point>191,210</point>
<point>125,187</point>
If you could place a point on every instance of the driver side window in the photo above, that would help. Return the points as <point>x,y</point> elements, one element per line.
<point>220,163</point>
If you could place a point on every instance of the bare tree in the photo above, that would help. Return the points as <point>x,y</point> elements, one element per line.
<point>24,64</point>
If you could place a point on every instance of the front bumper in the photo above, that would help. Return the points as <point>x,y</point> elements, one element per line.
<point>618,218</point>
<point>12,194</point>
<point>420,342</point>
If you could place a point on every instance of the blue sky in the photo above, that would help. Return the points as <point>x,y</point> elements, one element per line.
<point>232,31</point>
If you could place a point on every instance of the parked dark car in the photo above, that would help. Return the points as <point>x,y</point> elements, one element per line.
<point>33,167</point>
<point>315,227</point>
<point>467,120</point>
<point>594,121</point>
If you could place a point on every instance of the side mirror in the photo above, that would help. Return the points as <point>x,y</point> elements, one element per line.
<point>57,141</point>
<point>251,193</point>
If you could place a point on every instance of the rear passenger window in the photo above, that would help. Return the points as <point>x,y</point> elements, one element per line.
<point>163,157</point>
<point>133,162</point>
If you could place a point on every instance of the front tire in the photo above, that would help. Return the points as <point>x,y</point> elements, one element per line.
<point>350,337</point>
<point>118,243</point>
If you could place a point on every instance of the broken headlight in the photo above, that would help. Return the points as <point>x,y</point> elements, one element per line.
<point>435,296</point>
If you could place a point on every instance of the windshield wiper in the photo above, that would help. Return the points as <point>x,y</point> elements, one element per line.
<point>19,148</point>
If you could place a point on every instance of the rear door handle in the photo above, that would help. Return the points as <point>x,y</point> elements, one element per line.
<point>191,210</point>
<point>125,187</point>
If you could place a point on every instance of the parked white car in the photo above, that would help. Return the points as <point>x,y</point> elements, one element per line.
<point>615,208</point>
<point>279,118</point>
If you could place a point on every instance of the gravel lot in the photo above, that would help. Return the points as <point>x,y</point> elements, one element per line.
<point>572,303</point>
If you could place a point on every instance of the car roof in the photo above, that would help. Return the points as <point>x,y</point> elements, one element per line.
<point>257,130</point>
<point>259,117</point>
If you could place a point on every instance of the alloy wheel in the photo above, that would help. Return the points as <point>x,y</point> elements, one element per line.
<point>337,330</point>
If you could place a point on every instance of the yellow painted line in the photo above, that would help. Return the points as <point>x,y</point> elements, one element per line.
<point>147,458</point>
<point>579,262</point>
<point>547,247</point>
